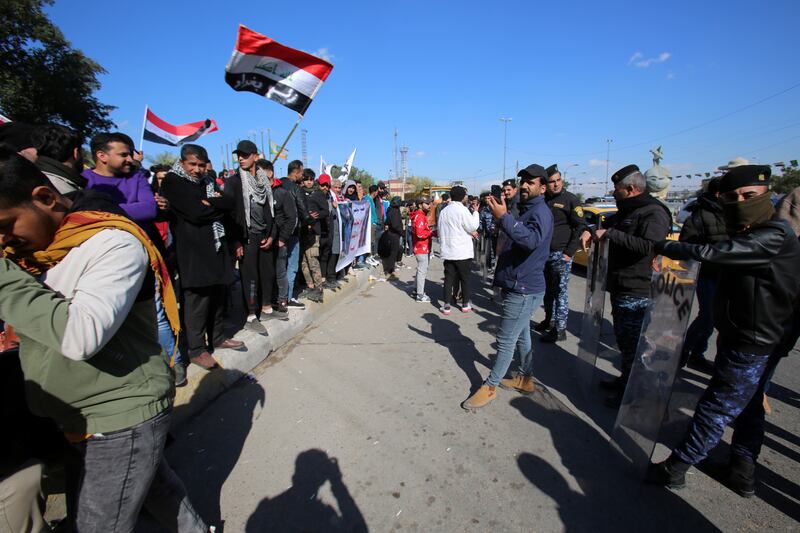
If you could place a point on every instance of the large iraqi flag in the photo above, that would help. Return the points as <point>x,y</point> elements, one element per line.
<point>158,131</point>
<point>263,66</point>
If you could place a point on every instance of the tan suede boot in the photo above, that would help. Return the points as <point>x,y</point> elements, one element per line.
<point>481,398</point>
<point>520,383</point>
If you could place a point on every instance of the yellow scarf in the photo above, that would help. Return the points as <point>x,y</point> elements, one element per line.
<point>80,226</point>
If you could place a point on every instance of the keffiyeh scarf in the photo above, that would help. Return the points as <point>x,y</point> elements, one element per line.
<point>216,226</point>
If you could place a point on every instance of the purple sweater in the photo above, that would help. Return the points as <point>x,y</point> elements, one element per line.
<point>133,194</point>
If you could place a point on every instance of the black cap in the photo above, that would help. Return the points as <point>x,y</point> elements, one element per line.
<point>744,175</point>
<point>246,148</point>
<point>17,135</point>
<point>531,172</point>
<point>624,172</point>
<point>552,169</point>
<point>510,181</point>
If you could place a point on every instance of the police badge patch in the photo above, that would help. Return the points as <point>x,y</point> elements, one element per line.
<point>579,211</point>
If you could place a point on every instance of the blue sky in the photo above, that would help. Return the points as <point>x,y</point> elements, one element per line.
<point>569,74</point>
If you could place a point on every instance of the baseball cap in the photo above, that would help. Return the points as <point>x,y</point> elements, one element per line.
<point>246,148</point>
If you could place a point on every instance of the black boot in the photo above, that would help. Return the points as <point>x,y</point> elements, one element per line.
<point>544,325</point>
<point>670,473</point>
<point>614,384</point>
<point>554,335</point>
<point>742,476</point>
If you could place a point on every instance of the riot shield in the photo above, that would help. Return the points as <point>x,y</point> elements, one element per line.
<point>589,342</point>
<point>657,362</point>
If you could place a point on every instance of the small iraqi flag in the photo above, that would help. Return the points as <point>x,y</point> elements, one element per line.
<point>161,132</point>
<point>263,66</point>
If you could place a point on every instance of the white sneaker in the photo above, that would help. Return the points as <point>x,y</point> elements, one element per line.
<point>466,308</point>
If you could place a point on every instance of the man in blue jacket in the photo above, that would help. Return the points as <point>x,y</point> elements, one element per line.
<point>520,276</point>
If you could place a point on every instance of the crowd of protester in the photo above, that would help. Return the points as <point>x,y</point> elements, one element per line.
<point>140,271</point>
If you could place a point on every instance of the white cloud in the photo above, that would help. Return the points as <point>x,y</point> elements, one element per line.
<point>670,75</point>
<point>597,162</point>
<point>419,154</point>
<point>323,53</point>
<point>123,124</point>
<point>639,61</point>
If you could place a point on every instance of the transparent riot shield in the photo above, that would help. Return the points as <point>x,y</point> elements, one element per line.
<point>657,362</point>
<point>589,342</point>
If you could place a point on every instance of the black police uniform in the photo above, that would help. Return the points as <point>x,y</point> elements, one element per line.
<point>568,223</point>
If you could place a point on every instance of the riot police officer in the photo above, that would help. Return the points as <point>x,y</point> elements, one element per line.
<point>639,223</point>
<point>756,291</point>
<point>567,225</point>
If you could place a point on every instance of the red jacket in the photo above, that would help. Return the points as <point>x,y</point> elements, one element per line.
<point>421,232</point>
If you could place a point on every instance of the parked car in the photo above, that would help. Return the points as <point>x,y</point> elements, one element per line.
<point>595,215</point>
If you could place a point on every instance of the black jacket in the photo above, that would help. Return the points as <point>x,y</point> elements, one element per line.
<point>568,222</point>
<point>299,201</point>
<point>238,229</point>
<point>285,221</point>
<point>316,200</point>
<point>705,225</point>
<point>640,222</point>
<point>757,285</point>
<point>199,263</point>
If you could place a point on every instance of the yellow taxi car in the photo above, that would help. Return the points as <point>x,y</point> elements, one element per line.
<point>595,215</point>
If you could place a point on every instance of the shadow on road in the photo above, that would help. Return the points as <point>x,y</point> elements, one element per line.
<point>300,507</point>
<point>205,455</point>
<point>603,481</point>
<point>462,349</point>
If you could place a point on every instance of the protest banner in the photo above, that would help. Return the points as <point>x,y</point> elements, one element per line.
<point>354,231</point>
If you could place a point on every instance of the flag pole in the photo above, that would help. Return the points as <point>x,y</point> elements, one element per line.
<point>144,123</point>
<point>280,151</point>
<point>262,143</point>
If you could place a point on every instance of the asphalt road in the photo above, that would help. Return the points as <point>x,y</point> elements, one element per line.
<point>356,425</point>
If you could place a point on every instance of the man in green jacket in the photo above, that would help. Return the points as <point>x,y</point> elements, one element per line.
<point>89,346</point>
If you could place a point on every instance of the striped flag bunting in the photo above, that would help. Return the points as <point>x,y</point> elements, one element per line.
<point>4,119</point>
<point>158,131</point>
<point>262,66</point>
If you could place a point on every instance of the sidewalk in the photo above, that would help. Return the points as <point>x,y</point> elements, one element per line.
<point>204,386</point>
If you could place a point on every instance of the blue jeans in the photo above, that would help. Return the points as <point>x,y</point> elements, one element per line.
<point>293,264</point>
<point>702,327</point>
<point>166,338</point>
<point>735,393</point>
<point>515,334</point>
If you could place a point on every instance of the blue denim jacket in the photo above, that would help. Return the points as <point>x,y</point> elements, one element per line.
<point>520,267</point>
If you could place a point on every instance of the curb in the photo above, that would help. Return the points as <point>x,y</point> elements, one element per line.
<point>204,387</point>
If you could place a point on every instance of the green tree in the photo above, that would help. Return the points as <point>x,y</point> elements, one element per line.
<point>162,158</point>
<point>786,182</point>
<point>42,78</point>
<point>419,183</point>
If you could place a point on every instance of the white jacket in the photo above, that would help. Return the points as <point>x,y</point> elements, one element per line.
<point>455,227</point>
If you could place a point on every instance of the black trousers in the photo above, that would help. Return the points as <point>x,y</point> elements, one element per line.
<point>258,275</point>
<point>456,273</point>
<point>203,309</point>
<point>325,254</point>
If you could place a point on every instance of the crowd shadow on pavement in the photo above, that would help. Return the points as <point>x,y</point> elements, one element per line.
<point>207,450</point>
<point>462,349</point>
<point>300,507</point>
<point>611,499</point>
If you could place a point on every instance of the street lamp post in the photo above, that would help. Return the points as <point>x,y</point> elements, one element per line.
<point>608,153</point>
<point>505,121</point>
<point>568,167</point>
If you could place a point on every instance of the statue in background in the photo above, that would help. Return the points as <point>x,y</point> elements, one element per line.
<point>658,178</point>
